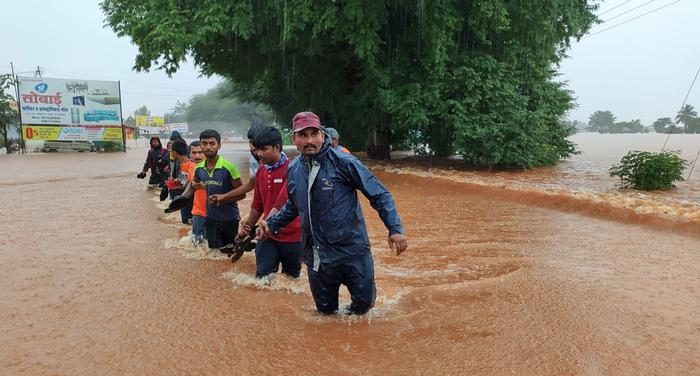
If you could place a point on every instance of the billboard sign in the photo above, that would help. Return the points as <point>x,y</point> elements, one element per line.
<point>149,130</point>
<point>61,133</point>
<point>181,128</point>
<point>69,102</point>
<point>149,121</point>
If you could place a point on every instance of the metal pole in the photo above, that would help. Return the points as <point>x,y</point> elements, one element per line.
<point>22,147</point>
<point>121,115</point>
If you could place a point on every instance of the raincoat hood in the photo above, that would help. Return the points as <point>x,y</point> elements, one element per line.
<point>150,142</point>
<point>176,136</point>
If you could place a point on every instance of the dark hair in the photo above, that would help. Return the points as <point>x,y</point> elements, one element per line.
<point>265,136</point>
<point>210,133</point>
<point>253,130</point>
<point>180,147</point>
<point>195,144</point>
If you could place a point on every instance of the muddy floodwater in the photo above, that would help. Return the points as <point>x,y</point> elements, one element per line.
<point>550,271</point>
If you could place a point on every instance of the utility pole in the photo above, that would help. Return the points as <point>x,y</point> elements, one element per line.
<point>22,146</point>
<point>38,72</point>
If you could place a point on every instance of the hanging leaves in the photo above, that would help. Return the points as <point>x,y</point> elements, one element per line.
<point>465,76</point>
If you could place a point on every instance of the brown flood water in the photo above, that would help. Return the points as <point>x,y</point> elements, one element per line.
<point>95,279</point>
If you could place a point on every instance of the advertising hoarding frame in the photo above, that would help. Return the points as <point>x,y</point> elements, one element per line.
<point>60,126</point>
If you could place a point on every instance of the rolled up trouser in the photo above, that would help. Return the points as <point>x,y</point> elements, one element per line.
<point>357,274</point>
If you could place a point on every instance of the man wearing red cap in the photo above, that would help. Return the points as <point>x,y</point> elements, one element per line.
<point>322,188</point>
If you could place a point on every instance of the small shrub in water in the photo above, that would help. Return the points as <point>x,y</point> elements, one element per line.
<point>649,171</point>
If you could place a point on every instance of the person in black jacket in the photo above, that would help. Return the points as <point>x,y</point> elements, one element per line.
<point>156,161</point>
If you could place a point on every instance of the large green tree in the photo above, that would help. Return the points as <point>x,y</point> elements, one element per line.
<point>472,76</point>
<point>688,117</point>
<point>601,122</point>
<point>693,126</point>
<point>8,113</point>
<point>634,126</point>
<point>219,108</point>
<point>177,114</point>
<point>662,125</point>
<point>142,111</point>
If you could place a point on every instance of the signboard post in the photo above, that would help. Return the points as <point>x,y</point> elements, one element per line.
<point>121,115</point>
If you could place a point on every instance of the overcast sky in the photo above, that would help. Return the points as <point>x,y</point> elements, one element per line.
<point>66,38</point>
<point>639,70</point>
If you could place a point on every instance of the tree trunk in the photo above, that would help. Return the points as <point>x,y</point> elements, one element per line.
<point>3,133</point>
<point>378,146</point>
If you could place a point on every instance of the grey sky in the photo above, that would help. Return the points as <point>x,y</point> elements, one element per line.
<point>640,70</point>
<point>67,40</point>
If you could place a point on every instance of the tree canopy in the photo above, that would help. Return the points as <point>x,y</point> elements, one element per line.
<point>218,108</point>
<point>689,118</point>
<point>142,111</point>
<point>466,76</point>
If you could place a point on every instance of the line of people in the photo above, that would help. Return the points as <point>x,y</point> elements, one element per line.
<point>305,209</point>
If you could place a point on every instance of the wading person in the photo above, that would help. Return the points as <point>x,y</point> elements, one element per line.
<point>218,177</point>
<point>185,175</point>
<point>199,204</point>
<point>322,186</point>
<point>157,162</point>
<point>253,160</point>
<point>335,140</point>
<point>270,194</point>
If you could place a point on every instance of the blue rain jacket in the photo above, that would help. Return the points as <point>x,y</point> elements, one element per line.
<point>333,226</point>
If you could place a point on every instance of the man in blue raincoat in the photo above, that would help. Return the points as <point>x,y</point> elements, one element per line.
<point>322,187</point>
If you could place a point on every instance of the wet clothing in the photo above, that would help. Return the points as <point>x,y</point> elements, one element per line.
<point>198,228</point>
<point>285,247</point>
<point>157,161</point>
<point>186,175</point>
<point>332,220</point>
<point>357,274</point>
<point>323,193</point>
<point>343,149</point>
<point>157,179</point>
<point>271,192</point>
<point>269,253</point>
<point>199,204</point>
<point>219,181</point>
<point>220,234</point>
<point>221,225</point>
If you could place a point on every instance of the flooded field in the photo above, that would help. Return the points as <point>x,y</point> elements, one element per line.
<point>550,272</point>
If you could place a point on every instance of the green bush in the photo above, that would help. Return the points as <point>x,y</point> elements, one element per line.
<point>649,171</point>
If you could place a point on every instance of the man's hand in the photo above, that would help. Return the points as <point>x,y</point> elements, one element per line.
<point>398,243</point>
<point>243,231</point>
<point>216,199</point>
<point>198,185</point>
<point>263,231</point>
